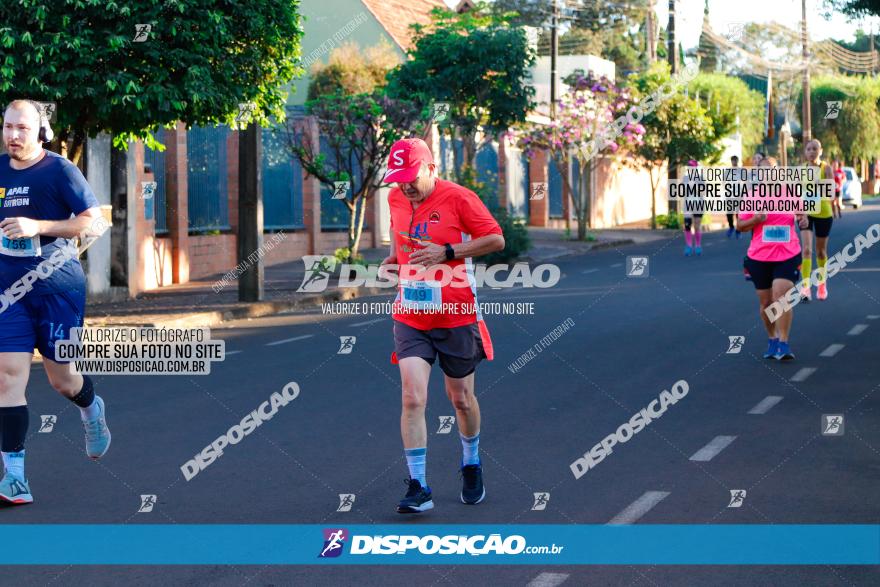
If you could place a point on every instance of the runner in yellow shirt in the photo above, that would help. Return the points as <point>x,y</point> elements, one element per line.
<point>820,224</point>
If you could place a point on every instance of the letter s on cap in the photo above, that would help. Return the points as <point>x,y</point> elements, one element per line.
<point>398,161</point>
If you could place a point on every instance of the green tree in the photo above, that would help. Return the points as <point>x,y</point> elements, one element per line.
<point>478,65</point>
<point>730,104</point>
<point>853,8</point>
<point>358,132</point>
<point>352,70</point>
<point>677,130</point>
<point>199,61</point>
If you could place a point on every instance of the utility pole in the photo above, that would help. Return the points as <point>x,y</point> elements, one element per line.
<point>652,41</point>
<point>807,124</point>
<point>672,51</point>
<point>672,57</point>
<point>250,213</point>
<point>554,51</point>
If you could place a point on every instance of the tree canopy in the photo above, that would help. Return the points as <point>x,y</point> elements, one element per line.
<point>127,68</point>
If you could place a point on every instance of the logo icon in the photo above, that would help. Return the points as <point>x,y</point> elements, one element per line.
<point>832,424</point>
<point>147,504</point>
<point>319,268</point>
<point>832,109</point>
<point>736,344</point>
<point>541,500</point>
<point>532,37</point>
<point>539,190</point>
<point>47,423</point>
<point>346,500</point>
<point>2,193</point>
<point>340,189</point>
<point>346,345</point>
<point>48,110</point>
<point>737,496</point>
<point>148,190</point>
<point>441,111</point>
<point>334,540</point>
<point>637,267</point>
<point>141,32</point>
<point>446,423</point>
<point>434,218</point>
<point>735,31</point>
<point>17,487</point>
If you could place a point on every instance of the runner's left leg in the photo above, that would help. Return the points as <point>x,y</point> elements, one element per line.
<point>467,412</point>
<point>15,370</point>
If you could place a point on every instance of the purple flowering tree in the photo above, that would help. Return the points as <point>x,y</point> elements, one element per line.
<point>582,114</point>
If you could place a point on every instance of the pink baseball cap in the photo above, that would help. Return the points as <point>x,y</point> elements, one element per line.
<point>407,156</point>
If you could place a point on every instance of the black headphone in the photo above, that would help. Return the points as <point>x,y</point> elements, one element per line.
<point>46,134</point>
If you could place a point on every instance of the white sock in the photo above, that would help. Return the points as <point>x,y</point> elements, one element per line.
<point>90,413</point>
<point>13,463</point>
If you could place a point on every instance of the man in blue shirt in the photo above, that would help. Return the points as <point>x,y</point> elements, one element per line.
<point>44,201</point>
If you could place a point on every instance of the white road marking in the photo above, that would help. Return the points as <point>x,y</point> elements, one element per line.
<point>548,580</point>
<point>232,353</point>
<point>763,406</point>
<point>639,507</point>
<point>368,322</point>
<point>857,329</point>
<point>832,350</point>
<point>802,374</point>
<point>618,265</point>
<point>589,271</point>
<point>873,316</point>
<point>711,450</point>
<point>289,339</point>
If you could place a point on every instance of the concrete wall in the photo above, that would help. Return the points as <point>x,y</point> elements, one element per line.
<point>622,194</point>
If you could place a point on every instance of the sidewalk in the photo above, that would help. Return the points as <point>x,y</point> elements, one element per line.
<point>196,304</point>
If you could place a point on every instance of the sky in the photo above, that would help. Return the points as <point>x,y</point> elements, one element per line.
<point>722,13</point>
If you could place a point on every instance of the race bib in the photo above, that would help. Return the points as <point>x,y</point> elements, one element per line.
<point>775,233</point>
<point>20,247</point>
<point>420,295</point>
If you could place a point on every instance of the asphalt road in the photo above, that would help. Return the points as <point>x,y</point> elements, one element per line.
<point>631,338</point>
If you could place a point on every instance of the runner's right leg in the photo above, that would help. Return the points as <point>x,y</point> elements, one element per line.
<point>15,368</point>
<point>414,374</point>
<point>688,238</point>
<point>806,263</point>
<point>765,298</point>
<point>783,323</point>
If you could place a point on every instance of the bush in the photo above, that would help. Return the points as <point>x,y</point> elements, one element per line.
<point>516,237</point>
<point>343,255</point>
<point>670,221</point>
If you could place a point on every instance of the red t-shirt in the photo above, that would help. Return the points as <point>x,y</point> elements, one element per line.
<point>451,214</point>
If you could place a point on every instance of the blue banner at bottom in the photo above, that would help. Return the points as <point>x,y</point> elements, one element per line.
<point>653,544</point>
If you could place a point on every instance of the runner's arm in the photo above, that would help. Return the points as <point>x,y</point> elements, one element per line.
<point>392,253</point>
<point>479,246</point>
<point>748,224</point>
<point>19,227</point>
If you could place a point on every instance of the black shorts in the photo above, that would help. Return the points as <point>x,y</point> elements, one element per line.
<point>820,226</point>
<point>688,221</point>
<point>764,272</point>
<point>460,348</point>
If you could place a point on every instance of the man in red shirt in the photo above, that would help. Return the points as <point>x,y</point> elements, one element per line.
<point>438,225</point>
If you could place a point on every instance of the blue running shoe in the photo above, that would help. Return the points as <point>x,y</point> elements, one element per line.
<point>730,232</point>
<point>783,352</point>
<point>472,489</point>
<point>687,251</point>
<point>97,433</point>
<point>698,251</point>
<point>15,490</point>
<point>773,344</point>
<point>417,499</point>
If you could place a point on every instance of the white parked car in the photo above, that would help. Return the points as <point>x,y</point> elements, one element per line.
<point>852,188</point>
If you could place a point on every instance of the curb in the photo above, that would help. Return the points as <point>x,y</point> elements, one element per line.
<point>245,310</point>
